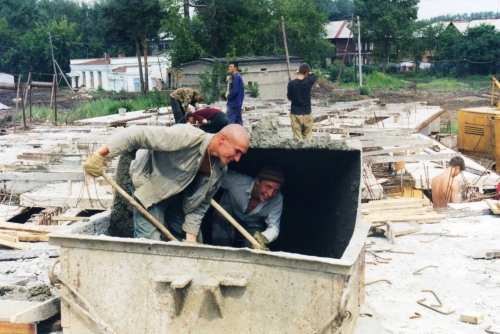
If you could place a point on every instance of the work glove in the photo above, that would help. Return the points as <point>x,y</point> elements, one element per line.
<point>262,240</point>
<point>93,167</point>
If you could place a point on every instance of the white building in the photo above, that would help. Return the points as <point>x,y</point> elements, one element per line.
<point>120,73</point>
<point>6,78</point>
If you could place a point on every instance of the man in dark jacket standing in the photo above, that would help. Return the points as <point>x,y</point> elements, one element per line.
<point>235,96</point>
<point>299,92</point>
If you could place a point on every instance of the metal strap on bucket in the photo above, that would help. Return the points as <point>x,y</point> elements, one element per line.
<point>56,281</point>
<point>343,313</point>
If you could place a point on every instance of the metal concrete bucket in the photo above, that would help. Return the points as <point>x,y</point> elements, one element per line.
<point>311,282</point>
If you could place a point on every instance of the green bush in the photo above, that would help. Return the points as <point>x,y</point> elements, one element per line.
<point>364,90</point>
<point>446,84</point>
<point>348,72</point>
<point>115,105</point>
<point>381,80</point>
<point>253,89</point>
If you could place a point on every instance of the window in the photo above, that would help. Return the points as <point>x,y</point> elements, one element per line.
<point>371,45</point>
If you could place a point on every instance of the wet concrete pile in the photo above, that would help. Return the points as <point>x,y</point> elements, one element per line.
<point>121,222</point>
<point>38,293</point>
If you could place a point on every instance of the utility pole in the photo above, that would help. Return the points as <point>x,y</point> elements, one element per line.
<point>360,59</point>
<point>52,50</point>
<point>286,48</point>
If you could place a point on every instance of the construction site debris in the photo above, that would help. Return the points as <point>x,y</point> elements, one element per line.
<point>416,316</point>
<point>417,272</point>
<point>472,317</point>
<point>380,280</point>
<point>421,302</point>
<point>488,330</point>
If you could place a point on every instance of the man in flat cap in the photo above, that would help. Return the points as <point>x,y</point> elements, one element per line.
<point>255,203</point>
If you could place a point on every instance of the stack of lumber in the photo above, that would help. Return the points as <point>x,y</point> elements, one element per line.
<point>400,210</point>
<point>12,233</point>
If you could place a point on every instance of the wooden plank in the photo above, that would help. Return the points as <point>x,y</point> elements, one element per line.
<point>427,218</point>
<point>382,211</point>
<point>26,236</point>
<point>42,311</point>
<point>395,202</point>
<point>59,218</point>
<point>411,158</point>
<point>10,328</point>
<point>394,149</point>
<point>28,228</point>
<point>41,177</point>
<point>402,228</point>
<point>390,141</point>
<point>393,208</point>
<point>486,254</point>
<point>9,238</point>
<point>13,245</point>
<point>115,119</point>
<point>13,255</point>
<point>494,206</point>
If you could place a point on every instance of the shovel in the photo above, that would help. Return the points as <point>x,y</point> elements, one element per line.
<point>161,227</point>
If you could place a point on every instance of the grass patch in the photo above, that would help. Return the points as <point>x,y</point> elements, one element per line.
<point>101,107</point>
<point>380,80</point>
<point>450,128</point>
<point>445,84</point>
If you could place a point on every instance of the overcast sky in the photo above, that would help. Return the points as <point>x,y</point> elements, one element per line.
<point>432,8</point>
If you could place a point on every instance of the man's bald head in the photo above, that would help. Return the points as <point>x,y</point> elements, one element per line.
<point>237,131</point>
<point>230,143</point>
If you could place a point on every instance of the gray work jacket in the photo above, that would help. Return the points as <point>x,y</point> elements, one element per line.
<point>167,163</point>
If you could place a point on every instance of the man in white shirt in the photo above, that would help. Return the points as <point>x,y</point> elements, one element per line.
<point>256,203</point>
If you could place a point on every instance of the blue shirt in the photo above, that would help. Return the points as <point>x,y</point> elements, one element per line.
<point>236,92</point>
<point>237,195</point>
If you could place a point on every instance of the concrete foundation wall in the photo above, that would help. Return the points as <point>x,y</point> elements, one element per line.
<point>271,77</point>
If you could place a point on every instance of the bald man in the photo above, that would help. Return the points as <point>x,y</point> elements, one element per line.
<point>175,174</point>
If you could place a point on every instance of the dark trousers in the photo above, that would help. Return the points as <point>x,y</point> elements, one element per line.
<point>177,110</point>
<point>169,212</point>
<point>234,115</point>
<point>215,124</point>
<point>224,234</point>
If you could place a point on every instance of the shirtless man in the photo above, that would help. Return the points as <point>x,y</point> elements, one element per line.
<point>444,187</point>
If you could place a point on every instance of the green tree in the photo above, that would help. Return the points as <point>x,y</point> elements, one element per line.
<point>474,52</point>
<point>384,21</point>
<point>36,47</point>
<point>139,24</point>
<point>420,40</point>
<point>344,10</point>
<point>251,27</point>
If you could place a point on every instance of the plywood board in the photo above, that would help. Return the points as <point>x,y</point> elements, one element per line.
<point>10,328</point>
<point>494,206</point>
<point>427,218</point>
<point>40,311</point>
<point>402,228</point>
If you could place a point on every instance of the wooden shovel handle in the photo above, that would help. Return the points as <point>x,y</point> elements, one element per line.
<point>234,223</point>
<point>139,207</point>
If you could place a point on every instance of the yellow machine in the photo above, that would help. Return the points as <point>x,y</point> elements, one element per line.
<point>478,129</point>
